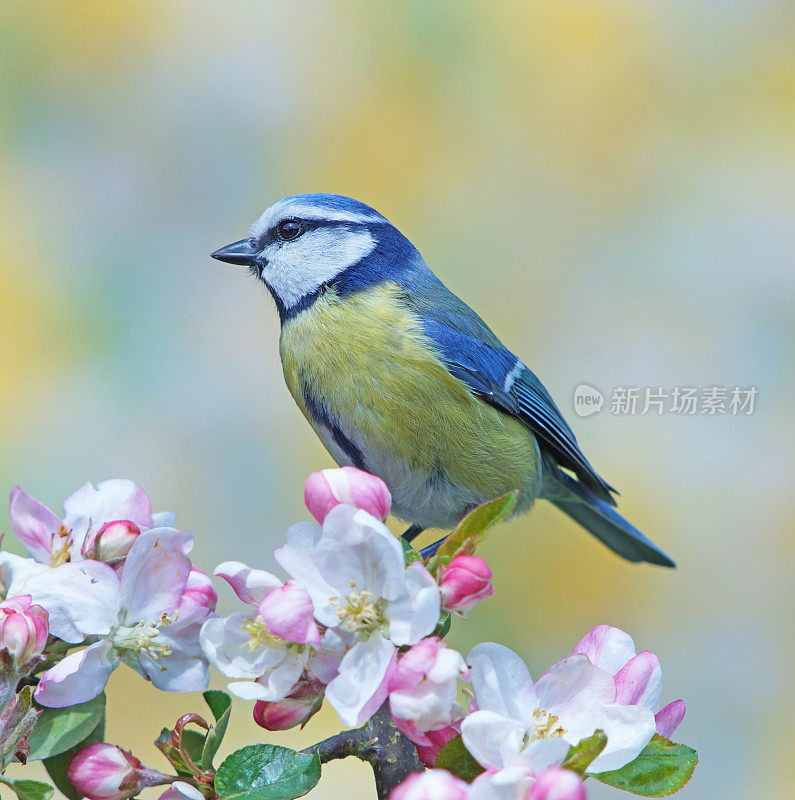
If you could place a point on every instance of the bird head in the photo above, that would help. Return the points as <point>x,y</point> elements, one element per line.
<point>305,243</point>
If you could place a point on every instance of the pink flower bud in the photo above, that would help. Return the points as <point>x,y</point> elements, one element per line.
<point>422,689</point>
<point>328,488</point>
<point>438,739</point>
<point>464,582</point>
<point>23,628</point>
<point>296,709</point>
<point>112,542</point>
<point>198,592</point>
<point>557,784</point>
<point>106,772</point>
<point>435,784</point>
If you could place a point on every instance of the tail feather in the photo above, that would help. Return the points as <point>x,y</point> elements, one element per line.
<point>601,519</point>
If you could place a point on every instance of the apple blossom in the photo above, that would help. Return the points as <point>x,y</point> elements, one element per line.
<point>464,582</point>
<point>132,617</point>
<point>638,678</point>
<point>422,688</point>
<point>106,772</point>
<point>355,573</point>
<point>267,649</point>
<point>328,488</point>
<point>435,784</point>
<point>24,627</point>
<point>521,724</point>
<point>297,708</point>
<point>52,540</point>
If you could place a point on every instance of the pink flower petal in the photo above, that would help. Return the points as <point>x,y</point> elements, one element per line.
<point>250,585</point>
<point>33,523</point>
<point>668,719</point>
<point>289,614</point>
<point>607,647</point>
<point>639,682</point>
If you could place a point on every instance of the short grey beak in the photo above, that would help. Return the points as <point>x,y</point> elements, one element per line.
<point>241,253</point>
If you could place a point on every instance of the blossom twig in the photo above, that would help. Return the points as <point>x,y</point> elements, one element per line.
<point>391,754</point>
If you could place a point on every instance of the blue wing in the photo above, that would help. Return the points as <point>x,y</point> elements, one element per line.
<point>472,353</point>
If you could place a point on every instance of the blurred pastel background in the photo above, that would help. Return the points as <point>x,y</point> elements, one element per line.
<point>611,184</point>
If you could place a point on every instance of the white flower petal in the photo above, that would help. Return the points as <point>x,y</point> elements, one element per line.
<point>361,686</point>
<point>185,669</point>
<point>628,728</point>
<point>296,558</point>
<point>324,664</point>
<point>77,678</point>
<point>501,681</point>
<point>493,740</point>
<point>512,783</point>
<point>358,549</point>
<point>82,598</point>
<point>415,613</point>
<point>226,646</point>
<point>574,683</point>
<point>275,684</point>
<point>155,574</point>
<point>544,753</point>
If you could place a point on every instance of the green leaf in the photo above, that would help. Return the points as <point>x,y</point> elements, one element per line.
<point>443,626</point>
<point>59,729</point>
<point>457,759</point>
<point>267,772</point>
<point>221,705</point>
<point>56,766</point>
<point>582,754</point>
<point>27,789</point>
<point>219,702</point>
<point>472,529</point>
<point>410,555</point>
<point>661,769</point>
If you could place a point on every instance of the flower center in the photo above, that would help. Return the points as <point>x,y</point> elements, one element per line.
<point>61,542</point>
<point>546,727</point>
<point>260,636</point>
<point>361,613</point>
<point>142,637</point>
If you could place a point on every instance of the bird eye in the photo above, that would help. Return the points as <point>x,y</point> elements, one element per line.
<point>289,229</point>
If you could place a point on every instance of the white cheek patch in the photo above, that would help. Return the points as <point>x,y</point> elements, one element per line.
<point>298,268</point>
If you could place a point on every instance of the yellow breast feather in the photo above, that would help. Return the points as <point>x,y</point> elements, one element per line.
<point>367,359</point>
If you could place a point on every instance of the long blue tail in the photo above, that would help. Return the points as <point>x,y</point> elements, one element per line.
<point>601,519</point>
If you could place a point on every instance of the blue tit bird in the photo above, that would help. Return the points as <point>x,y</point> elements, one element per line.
<point>401,378</point>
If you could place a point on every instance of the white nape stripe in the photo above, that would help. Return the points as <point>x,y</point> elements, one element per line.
<point>511,377</point>
<point>319,212</point>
